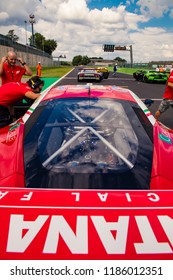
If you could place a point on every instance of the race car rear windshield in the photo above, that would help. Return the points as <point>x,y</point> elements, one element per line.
<point>88,143</point>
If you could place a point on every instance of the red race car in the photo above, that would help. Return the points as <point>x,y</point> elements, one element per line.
<point>86,173</point>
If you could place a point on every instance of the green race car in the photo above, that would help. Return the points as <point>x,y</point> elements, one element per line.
<point>139,74</point>
<point>154,76</point>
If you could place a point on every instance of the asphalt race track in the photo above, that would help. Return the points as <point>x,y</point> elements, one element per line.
<point>143,90</point>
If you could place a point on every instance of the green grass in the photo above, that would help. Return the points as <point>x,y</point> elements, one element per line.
<point>127,70</point>
<point>52,72</point>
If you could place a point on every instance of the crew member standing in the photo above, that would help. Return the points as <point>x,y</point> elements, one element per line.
<point>10,71</point>
<point>167,100</point>
<point>38,67</point>
<point>115,69</point>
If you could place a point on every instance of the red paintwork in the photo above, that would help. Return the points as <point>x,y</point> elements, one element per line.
<point>162,175</point>
<point>85,224</point>
<point>12,168</point>
<point>102,92</point>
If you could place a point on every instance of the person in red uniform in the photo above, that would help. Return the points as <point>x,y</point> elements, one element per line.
<point>167,100</point>
<point>13,92</point>
<point>10,71</point>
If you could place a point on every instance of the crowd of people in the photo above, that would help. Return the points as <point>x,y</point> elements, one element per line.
<point>12,69</point>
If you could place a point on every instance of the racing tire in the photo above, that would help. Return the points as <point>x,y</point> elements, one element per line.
<point>145,79</point>
<point>106,75</point>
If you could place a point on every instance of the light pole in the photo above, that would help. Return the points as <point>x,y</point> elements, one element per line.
<point>32,21</point>
<point>26,31</point>
<point>27,56</point>
<point>131,56</point>
<point>43,45</point>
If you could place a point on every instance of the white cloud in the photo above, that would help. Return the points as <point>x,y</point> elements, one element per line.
<point>155,8</point>
<point>152,44</point>
<point>79,30</point>
<point>3,16</point>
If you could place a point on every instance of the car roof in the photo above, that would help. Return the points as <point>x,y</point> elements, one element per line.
<point>93,91</point>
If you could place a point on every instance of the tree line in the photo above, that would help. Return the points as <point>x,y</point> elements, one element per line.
<point>40,42</point>
<point>48,46</point>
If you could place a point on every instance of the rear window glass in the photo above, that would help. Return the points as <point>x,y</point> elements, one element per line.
<point>86,143</point>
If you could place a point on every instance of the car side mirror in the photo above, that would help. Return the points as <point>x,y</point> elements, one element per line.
<point>148,102</point>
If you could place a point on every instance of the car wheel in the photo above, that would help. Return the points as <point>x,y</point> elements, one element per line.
<point>145,79</point>
<point>106,76</point>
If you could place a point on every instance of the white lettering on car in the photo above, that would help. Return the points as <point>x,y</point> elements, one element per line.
<point>128,197</point>
<point>104,229</point>
<point>77,239</point>
<point>167,224</point>
<point>103,197</point>
<point>27,196</point>
<point>77,195</point>
<point>150,243</point>
<point>17,242</point>
<point>153,197</point>
<point>77,243</point>
<point>2,194</point>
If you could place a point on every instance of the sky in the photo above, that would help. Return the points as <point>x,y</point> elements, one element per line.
<point>82,27</point>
